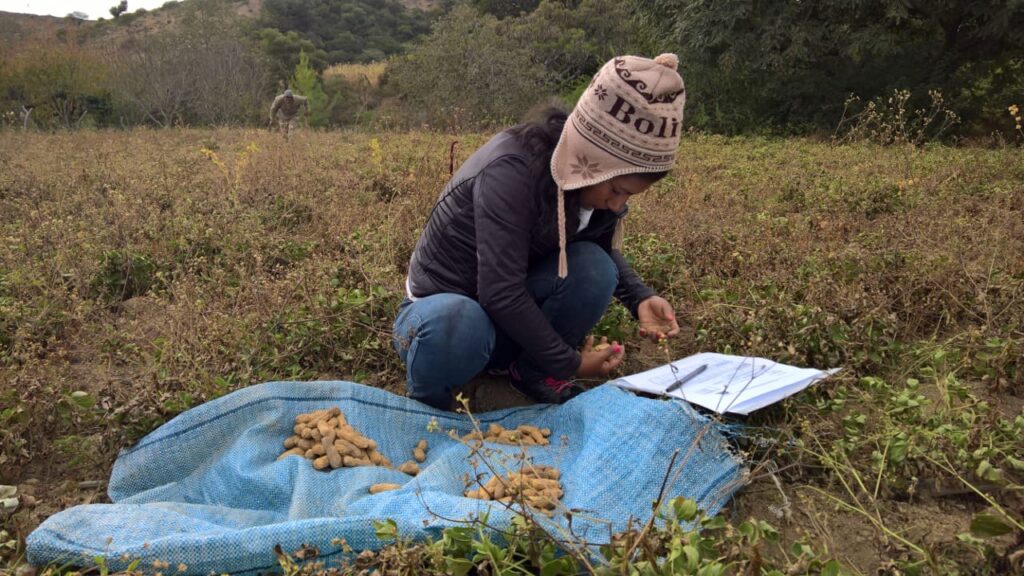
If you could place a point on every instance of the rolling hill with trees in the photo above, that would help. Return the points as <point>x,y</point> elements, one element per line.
<point>750,67</point>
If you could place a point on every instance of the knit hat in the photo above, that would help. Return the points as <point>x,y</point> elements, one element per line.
<point>627,121</point>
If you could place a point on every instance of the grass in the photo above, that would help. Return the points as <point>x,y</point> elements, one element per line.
<point>358,74</point>
<point>145,272</point>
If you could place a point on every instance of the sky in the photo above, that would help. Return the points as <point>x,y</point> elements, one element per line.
<point>94,8</point>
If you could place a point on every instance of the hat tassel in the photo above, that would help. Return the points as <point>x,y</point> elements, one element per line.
<point>563,260</point>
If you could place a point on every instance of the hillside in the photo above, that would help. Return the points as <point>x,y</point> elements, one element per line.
<point>16,28</point>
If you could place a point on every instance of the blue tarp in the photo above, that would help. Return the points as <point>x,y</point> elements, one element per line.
<point>206,489</point>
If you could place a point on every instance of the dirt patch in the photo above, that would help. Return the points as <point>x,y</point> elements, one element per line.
<point>803,514</point>
<point>44,497</point>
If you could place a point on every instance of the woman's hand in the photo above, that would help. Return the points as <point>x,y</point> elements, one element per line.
<point>657,319</point>
<point>599,363</point>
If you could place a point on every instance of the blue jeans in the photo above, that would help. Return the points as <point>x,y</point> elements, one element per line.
<point>446,339</point>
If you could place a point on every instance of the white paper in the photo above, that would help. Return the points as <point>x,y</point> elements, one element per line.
<point>736,384</point>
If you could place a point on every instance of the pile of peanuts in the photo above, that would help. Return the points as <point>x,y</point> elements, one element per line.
<point>536,486</point>
<point>524,434</point>
<point>326,438</point>
<point>329,441</point>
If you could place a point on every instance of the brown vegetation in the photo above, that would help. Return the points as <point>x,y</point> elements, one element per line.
<point>144,272</point>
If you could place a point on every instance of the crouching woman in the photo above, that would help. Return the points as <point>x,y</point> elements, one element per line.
<point>520,256</point>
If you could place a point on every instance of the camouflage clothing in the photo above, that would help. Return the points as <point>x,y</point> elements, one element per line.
<point>286,110</point>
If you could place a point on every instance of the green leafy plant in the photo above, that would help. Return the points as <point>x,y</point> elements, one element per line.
<point>125,274</point>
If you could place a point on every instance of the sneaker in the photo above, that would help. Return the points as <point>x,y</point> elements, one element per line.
<point>546,390</point>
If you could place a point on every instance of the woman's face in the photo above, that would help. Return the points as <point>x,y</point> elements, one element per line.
<point>612,194</point>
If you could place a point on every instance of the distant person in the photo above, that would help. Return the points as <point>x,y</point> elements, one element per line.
<point>286,109</point>
<point>520,256</point>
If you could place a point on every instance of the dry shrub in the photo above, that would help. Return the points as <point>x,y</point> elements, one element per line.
<point>277,260</point>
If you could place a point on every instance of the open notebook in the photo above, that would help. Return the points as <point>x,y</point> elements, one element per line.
<point>736,384</point>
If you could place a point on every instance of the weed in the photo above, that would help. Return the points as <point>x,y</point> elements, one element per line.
<point>287,213</point>
<point>123,275</point>
<point>891,120</point>
<point>900,263</point>
<point>616,324</point>
<point>1018,122</point>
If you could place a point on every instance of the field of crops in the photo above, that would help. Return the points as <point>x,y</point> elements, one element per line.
<point>145,272</point>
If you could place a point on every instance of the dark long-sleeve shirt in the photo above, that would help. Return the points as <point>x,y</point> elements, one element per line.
<point>492,222</point>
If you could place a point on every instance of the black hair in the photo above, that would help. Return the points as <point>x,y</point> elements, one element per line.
<point>541,128</point>
<point>539,133</point>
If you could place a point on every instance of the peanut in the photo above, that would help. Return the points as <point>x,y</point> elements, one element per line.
<point>383,487</point>
<point>349,434</point>
<point>419,452</point>
<point>375,456</point>
<point>296,451</point>
<point>328,440</point>
<point>352,462</point>
<point>331,452</point>
<point>548,472</point>
<point>345,447</point>
<point>410,468</point>
<point>534,433</point>
<point>324,428</point>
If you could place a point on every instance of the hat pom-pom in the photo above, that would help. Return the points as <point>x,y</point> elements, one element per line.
<point>669,60</point>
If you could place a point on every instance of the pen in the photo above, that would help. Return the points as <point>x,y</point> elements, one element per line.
<point>679,383</point>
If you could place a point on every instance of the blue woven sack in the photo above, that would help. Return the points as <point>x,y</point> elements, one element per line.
<point>206,489</point>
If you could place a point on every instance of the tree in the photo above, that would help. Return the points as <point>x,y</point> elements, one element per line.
<point>283,49</point>
<point>202,70</point>
<point>347,30</point>
<point>505,8</point>
<point>804,58</point>
<point>61,81</point>
<point>64,83</point>
<point>119,9</point>
<point>572,42</point>
<point>475,68</point>
<point>307,83</point>
<point>472,69</point>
